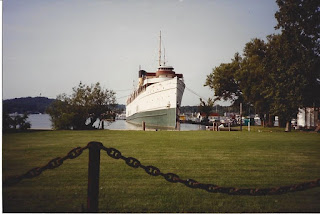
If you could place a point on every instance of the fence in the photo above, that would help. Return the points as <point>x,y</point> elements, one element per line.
<point>94,169</point>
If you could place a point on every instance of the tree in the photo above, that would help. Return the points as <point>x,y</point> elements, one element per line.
<point>299,21</point>
<point>253,78</point>
<point>240,80</point>
<point>15,122</point>
<point>223,81</point>
<point>6,121</point>
<point>284,88</point>
<point>294,58</point>
<point>282,75</point>
<point>83,107</point>
<point>21,122</point>
<point>206,108</point>
<point>289,79</point>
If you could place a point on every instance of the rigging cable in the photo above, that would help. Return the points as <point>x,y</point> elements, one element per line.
<point>123,90</point>
<point>123,97</point>
<point>195,93</point>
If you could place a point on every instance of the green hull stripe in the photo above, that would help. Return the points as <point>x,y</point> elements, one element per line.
<point>165,118</point>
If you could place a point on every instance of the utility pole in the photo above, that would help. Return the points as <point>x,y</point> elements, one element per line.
<point>240,116</point>
<point>249,119</point>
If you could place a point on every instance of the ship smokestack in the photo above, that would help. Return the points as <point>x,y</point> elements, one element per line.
<point>142,73</point>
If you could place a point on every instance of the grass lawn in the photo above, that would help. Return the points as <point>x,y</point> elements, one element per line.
<point>256,159</point>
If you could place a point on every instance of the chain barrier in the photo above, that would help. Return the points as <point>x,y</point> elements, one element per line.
<point>52,164</point>
<point>170,177</point>
<point>212,188</point>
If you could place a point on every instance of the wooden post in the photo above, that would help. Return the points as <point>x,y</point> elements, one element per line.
<point>93,177</point>
<point>240,116</point>
<point>178,125</point>
<point>143,125</point>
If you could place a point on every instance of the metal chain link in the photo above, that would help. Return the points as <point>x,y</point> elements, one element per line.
<point>52,164</point>
<point>173,178</point>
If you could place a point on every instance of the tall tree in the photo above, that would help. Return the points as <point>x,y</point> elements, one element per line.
<point>300,19</point>
<point>299,22</point>
<point>253,78</point>
<point>223,81</point>
<point>279,76</point>
<point>287,80</point>
<point>83,107</point>
<point>295,57</point>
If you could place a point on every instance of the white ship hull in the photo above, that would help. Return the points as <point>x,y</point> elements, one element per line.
<point>158,105</point>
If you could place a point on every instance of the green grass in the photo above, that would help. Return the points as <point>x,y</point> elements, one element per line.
<point>240,159</point>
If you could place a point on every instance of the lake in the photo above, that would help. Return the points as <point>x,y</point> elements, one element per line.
<point>42,121</point>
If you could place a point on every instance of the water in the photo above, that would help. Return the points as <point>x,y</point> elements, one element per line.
<point>42,121</point>
<point>123,125</point>
<point>39,121</point>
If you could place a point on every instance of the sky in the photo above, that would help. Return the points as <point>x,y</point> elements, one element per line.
<point>49,46</point>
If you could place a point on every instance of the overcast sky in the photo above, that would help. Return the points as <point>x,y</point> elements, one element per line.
<point>49,46</point>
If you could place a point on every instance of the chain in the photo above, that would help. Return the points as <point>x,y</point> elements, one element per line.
<point>52,164</point>
<point>173,178</point>
<point>170,177</point>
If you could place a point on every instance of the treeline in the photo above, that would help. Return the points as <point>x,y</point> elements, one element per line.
<point>32,105</point>
<point>281,74</point>
<point>29,105</point>
<point>35,105</point>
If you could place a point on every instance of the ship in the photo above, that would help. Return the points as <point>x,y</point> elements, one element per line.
<point>156,101</point>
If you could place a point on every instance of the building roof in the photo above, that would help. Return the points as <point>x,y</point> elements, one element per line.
<point>211,114</point>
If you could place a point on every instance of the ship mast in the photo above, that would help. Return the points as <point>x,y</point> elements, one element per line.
<point>160,50</point>
<point>164,56</point>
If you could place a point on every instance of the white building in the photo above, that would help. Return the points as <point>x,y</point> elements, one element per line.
<point>308,117</point>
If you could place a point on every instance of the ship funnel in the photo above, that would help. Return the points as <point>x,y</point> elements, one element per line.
<point>142,73</point>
